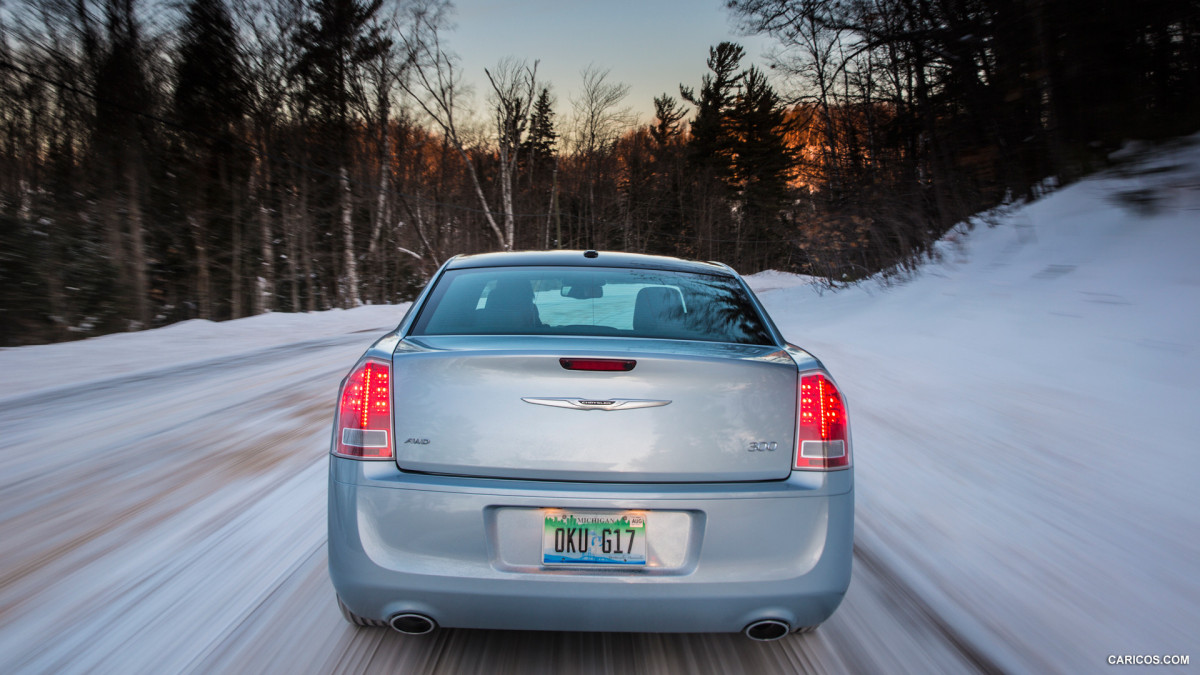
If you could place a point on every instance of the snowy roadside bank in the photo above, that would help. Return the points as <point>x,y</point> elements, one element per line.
<point>28,370</point>
<point>1024,419</point>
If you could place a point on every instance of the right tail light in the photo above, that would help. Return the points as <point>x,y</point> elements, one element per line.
<point>823,435</point>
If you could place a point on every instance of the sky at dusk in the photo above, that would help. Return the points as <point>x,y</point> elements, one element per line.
<point>651,45</point>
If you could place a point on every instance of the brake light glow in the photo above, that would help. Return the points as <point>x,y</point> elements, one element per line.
<point>608,365</point>
<point>823,440</point>
<point>364,425</point>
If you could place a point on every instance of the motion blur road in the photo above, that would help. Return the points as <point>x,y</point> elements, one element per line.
<point>1025,427</point>
<point>174,521</point>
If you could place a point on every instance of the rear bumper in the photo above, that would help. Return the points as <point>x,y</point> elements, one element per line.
<point>466,552</point>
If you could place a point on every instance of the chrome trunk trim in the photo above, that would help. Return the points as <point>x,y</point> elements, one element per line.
<point>597,404</point>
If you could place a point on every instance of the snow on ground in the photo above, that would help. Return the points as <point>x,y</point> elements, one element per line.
<point>27,369</point>
<point>1024,424</point>
<point>1024,419</point>
<point>771,280</point>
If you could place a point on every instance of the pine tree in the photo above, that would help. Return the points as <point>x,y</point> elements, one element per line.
<point>210,94</point>
<point>539,162</point>
<point>122,142</point>
<point>210,104</point>
<point>335,41</point>
<point>761,160</point>
<point>538,149</point>
<point>761,157</point>
<point>668,114</point>
<point>710,144</point>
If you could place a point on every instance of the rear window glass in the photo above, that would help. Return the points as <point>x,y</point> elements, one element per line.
<point>591,301</point>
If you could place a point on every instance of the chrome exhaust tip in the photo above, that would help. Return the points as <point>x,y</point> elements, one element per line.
<point>767,630</point>
<point>412,624</point>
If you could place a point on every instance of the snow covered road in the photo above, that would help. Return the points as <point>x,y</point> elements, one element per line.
<point>1025,438</point>
<point>178,526</point>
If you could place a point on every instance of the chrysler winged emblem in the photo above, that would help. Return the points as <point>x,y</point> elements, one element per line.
<point>597,403</point>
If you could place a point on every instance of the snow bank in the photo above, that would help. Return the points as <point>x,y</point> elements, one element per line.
<point>771,280</point>
<point>40,367</point>
<point>1024,417</point>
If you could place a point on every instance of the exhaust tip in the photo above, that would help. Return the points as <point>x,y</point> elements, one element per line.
<point>412,624</point>
<point>767,630</point>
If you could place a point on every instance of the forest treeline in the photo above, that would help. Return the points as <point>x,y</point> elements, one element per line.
<point>214,159</point>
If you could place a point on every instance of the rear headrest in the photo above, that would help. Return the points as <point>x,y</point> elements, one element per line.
<point>657,306</point>
<point>510,294</point>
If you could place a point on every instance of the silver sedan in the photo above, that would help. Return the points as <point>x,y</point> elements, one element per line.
<point>589,441</point>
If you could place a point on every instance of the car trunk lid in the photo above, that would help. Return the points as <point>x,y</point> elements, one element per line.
<point>510,408</point>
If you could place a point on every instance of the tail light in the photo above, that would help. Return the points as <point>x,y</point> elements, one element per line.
<point>823,438</point>
<point>364,421</point>
<point>613,365</point>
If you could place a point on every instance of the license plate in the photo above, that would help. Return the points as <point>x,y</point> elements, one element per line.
<point>593,538</point>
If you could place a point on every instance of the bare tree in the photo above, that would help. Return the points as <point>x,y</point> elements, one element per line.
<point>435,86</point>
<point>599,121</point>
<point>270,56</point>
<point>513,85</point>
<point>598,118</point>
<point>390,129</point>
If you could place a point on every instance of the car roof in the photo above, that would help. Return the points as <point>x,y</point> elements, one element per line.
<point>586,259</point>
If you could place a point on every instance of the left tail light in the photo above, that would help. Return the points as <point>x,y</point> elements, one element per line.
<point>364,421</point>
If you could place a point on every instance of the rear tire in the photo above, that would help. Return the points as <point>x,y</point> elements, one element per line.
<point>356,619</point>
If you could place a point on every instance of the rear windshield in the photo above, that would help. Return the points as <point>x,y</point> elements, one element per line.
<point>592,301</point>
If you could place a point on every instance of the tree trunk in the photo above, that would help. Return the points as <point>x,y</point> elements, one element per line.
<point>264,296</point>
<point>506,194</point>
<point>235,272</point>
<point>290,233</point>
<point>1049,94</point>
<point>350,278</point>
<point>487,210</point>
<point>235,266</point>
<point>141,286</point>
<point>306,251</point>
<point>419,225</point>
<point>376,254</point>
<point>552,212</point>
<point>203,273</point>
<point>107,210</point>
